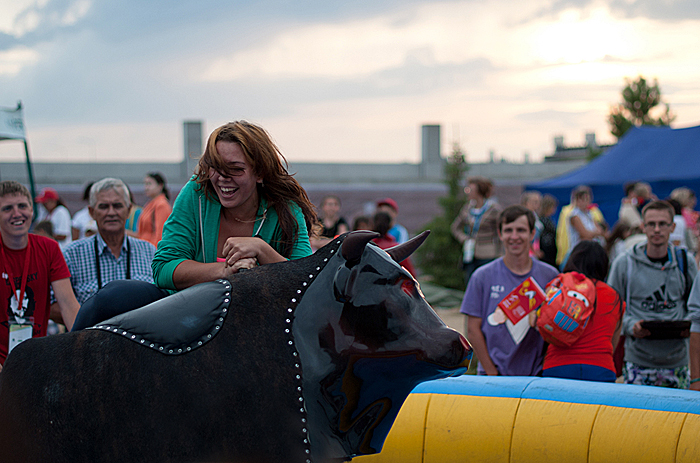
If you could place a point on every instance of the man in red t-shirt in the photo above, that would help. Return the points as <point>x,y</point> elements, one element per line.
<point>29,266</point>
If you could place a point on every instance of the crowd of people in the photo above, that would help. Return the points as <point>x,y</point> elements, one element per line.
<point>241,208</point>
<point>645,327</point>
<point>51,272</point>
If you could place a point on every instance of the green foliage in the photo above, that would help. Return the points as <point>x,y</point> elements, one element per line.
<point>639,99</point>
<point>593,153</point>
<point>440,257</point>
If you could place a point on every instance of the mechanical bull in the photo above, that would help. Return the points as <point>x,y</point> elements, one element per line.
<point>307,360</point>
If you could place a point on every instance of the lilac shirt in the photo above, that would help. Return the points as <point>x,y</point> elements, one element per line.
<point>488,285</point>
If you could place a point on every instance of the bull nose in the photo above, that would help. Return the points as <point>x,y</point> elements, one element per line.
<point>469,352</point>
<point>450,350</point>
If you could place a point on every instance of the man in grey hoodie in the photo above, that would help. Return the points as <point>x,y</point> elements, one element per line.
<point>655,278</point>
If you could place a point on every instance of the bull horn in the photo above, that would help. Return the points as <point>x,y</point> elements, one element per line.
<point>354,244</point>
<point>401,251</point>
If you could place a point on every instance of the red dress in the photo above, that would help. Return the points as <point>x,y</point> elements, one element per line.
<point>594,347</point>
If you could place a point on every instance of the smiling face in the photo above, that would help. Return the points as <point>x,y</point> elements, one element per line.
<point>239,190</point>
<point>16,212</point>
<point>516,236</point>
<point>110,212</point>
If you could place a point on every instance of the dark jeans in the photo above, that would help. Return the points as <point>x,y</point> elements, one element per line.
<point>581,371</point>
<point>471,266</point>
<point>115,298</point>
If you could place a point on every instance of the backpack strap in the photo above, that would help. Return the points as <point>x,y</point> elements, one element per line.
<point>682,259</point>
<point>629,280</point>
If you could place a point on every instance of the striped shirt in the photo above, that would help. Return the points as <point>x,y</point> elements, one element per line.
<point>80,257</point>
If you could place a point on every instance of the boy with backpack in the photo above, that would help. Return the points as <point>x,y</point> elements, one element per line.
<point>655,279</point>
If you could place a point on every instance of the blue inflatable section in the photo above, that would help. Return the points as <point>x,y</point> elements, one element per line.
<point>571,391</point>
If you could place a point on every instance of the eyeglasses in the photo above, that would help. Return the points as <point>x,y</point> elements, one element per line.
<point>661,225</point>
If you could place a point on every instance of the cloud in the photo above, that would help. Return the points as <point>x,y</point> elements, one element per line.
<point>437,34</point>
<point>139,19</point>
<point>89,63</point>
<point>12,61</point>
<point>10,10</point>
<point>7,41</point>
<point>352,49</point>
<point>39,21</point>
<point>408,79</point>
<point>566,118</point>
<point>105,142</point>
<point>664,11</point>
<point>358,76</point>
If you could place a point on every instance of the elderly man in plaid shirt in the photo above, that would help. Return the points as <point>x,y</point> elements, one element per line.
<point>110,254</point>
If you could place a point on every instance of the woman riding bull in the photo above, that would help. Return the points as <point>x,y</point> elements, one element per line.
<point>241,209</point>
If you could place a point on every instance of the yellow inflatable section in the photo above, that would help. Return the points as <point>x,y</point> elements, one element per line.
<point>528,419</point>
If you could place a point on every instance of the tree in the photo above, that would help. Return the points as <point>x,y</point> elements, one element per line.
<point>593,152</point>
<point>440,256</point>
<point>639,100</point>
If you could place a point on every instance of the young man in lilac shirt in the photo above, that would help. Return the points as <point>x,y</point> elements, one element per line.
<point>501,347</point>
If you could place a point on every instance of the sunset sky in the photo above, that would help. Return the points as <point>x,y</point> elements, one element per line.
<point>336,81</point>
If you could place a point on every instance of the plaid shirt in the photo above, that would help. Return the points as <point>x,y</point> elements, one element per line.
<point>80,257</point>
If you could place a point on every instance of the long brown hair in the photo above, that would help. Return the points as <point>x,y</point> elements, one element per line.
<point>278,187</point>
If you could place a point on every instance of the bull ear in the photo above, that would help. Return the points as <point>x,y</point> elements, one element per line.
<point>354,244</point>
<point>401,251</point>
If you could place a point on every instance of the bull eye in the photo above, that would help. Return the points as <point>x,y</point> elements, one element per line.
<point>408,287</point>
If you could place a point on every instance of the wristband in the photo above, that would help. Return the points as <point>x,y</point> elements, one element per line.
<point>694,380</point>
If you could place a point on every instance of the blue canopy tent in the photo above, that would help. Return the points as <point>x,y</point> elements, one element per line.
<point>665,158</point>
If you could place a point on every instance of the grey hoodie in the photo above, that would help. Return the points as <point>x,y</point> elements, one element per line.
<point>654,292</point>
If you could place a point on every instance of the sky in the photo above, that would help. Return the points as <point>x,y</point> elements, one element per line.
<point>109,81</point>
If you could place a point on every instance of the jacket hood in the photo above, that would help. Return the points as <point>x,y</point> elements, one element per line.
<point>639,254</point>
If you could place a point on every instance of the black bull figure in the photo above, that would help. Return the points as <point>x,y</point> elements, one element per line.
<point>303,361</point>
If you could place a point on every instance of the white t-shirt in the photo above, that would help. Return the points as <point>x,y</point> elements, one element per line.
<point>60,219</point>
<point>80,221</point>
<point>586,221</point>
<point>678,235</point>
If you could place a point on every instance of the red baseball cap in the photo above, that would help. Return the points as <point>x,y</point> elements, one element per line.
<point>47,194</point>
<point>388,202</point>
